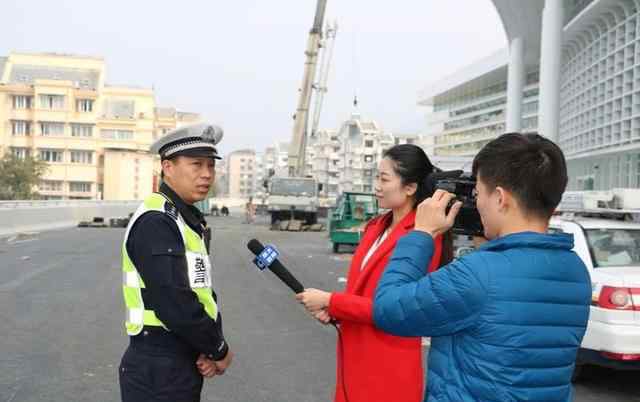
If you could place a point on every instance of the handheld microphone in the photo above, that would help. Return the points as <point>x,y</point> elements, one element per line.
<point>277,268</point>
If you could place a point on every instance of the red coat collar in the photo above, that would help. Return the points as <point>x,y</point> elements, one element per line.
<point>373,231</point>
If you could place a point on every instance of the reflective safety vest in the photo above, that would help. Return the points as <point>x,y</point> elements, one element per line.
<point>198,266</point>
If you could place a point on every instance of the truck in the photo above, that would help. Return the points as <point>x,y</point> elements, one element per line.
<point>348,220</point>
<point>293,199</point>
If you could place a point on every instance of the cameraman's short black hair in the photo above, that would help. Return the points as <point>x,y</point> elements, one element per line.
<point>530,166</point>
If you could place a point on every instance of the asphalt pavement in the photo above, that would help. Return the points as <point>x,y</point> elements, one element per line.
<point>61,319</point>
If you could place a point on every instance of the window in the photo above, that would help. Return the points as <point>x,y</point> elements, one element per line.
<point>52,102</point>
<point>368,143</point>
<point>20,127</point>
<point>51,129</point>
<point>50,185</point>
<point>20,153</point>
<point>85,157</point>
<point>614,247</point>
<point>79,186</point>
<point>117,134</point>
<point>22,102</point>
<point>84,105</point>
<point>368,158</point>
<point>51,155</point>
<point>81,130</point>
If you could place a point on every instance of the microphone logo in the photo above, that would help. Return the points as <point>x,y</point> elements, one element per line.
<point>266,257</point>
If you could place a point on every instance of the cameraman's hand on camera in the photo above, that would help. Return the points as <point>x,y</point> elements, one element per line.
<point>431,216</point>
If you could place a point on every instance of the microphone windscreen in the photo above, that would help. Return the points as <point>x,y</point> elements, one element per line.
<point>255,246</point>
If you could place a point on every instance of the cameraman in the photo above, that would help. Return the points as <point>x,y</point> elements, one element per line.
<point>507,319</point>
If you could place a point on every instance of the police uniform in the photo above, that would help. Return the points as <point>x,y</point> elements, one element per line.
<point>171,310</point>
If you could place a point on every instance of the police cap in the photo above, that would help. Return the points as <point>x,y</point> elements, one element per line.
<point>197,140</point>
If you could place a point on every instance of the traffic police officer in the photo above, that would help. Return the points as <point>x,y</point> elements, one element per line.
<point>173,322</point>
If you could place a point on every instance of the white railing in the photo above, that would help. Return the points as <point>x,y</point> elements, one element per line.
<point>63,203</point>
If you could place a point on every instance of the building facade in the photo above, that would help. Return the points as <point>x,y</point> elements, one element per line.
<point>589,99</point>
<point>241,173</point>
<point>93,136</point>
<point>468,109</point>
<point>347,159</point>
<point>571,72</point>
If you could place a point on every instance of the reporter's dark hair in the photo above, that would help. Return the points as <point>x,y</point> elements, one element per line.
<point>530,166</point>
<point>412,164</point>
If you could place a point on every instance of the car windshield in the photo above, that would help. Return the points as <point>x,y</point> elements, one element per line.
<point>614,247</point>
<point>300,187</point>
<point>363,205</point>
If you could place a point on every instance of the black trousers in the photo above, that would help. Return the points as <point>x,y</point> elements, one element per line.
<point>150,372</point>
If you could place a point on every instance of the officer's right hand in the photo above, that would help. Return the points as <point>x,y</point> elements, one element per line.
<point>224,364</point>
<point>206,367</point>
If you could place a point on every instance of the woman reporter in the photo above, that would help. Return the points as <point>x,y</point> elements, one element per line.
<point>372,365</point>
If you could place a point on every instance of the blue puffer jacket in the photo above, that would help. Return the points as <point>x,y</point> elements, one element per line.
<point>506,319</point>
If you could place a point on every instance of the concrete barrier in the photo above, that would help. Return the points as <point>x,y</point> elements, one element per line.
<point>36,216</point>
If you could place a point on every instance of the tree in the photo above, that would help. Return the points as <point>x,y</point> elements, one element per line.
<point>18,177</point>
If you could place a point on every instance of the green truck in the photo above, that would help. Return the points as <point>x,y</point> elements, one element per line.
<point>353,211</point>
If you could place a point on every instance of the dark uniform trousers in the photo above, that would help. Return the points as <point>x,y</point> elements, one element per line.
<point>158,366</point>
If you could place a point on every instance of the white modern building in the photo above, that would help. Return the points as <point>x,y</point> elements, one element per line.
<point>468,109</point>
<point>571,72</point>
<point>589,82</point>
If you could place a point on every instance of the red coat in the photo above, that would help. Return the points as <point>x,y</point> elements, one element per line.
<point>377,367</point>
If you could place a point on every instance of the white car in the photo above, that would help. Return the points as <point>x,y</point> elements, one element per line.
<point>611,251</point>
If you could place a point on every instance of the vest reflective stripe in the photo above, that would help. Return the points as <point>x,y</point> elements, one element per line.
<point>198,266</point>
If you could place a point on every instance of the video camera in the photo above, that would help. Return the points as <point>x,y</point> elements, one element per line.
<point>462,185</point>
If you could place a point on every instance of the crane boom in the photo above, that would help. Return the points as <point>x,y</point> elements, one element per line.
<point>301,118</point>
<point>325,67</point>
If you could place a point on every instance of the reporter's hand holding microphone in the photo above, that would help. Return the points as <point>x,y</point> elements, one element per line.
<point>316,302</point>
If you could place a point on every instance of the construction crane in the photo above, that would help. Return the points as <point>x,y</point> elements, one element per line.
<point>293,200</point>
<point>325,66</point>
<point>301,118</point>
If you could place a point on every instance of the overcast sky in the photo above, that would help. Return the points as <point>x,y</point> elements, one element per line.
<point>239,63</point>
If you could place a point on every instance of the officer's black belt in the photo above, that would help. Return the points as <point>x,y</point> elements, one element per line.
<point>156,338</point>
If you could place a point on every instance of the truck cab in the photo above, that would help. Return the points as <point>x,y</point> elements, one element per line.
<point>293,198</point>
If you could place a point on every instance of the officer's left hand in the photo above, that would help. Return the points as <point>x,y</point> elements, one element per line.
<point>314,300</point>
<point>206,366</point>
<point>431,216</point>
